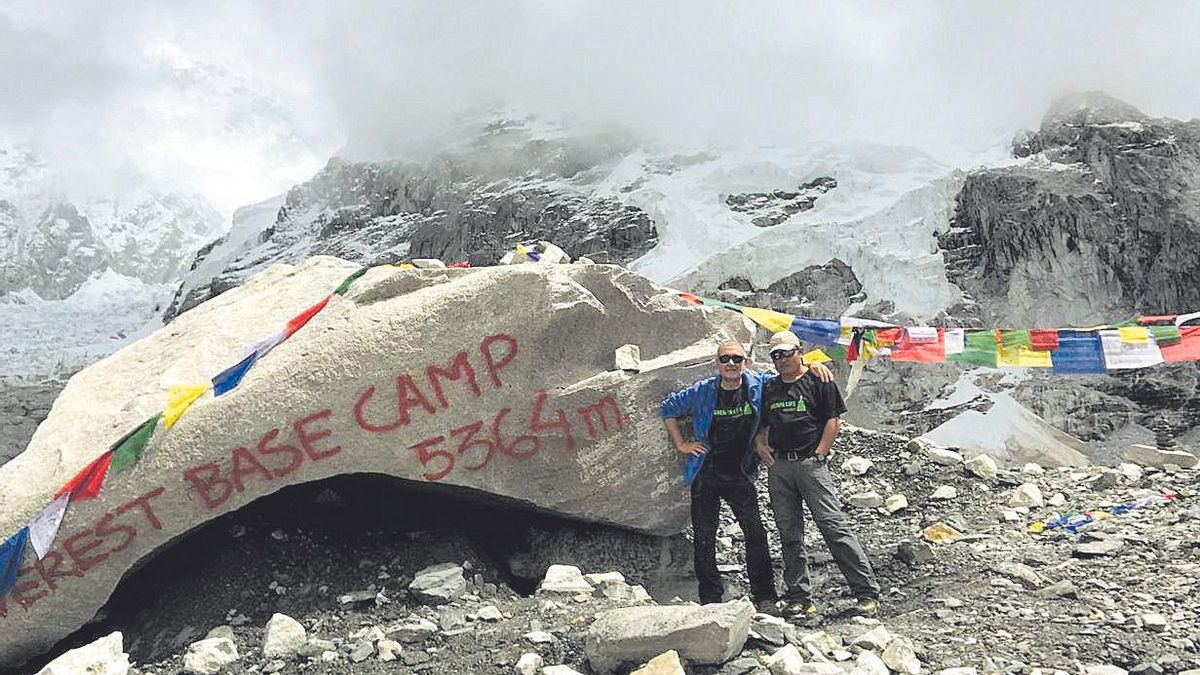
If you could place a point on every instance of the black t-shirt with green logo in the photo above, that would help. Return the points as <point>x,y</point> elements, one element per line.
<point>796,413</point>
<point>729,436</point>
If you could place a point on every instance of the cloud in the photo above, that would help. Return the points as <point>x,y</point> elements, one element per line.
<point>386,74</point>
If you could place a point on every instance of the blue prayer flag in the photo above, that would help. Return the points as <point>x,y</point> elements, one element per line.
<point>1079,352</point>
<point>232,376</point>
<point>822,332</point>
<point>12,552</point>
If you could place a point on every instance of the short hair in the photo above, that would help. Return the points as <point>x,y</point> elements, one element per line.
<point>731,343</point>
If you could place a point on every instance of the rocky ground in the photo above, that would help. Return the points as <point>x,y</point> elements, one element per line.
<point>1115,596</point>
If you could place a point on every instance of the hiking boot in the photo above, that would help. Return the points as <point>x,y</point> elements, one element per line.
<point>866,607</point>
<point>799,609</point>
<point>768,607</point>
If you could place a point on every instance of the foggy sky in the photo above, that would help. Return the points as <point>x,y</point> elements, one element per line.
<point>96,87</point>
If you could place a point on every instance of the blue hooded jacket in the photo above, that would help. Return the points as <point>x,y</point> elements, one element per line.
<point>699,401</point>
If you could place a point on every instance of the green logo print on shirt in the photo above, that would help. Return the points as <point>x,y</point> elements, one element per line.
<point>793,405</point>
<point>739,411</point>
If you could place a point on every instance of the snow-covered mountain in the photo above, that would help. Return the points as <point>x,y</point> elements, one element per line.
<point>78,277</point>
<point>823,230</point>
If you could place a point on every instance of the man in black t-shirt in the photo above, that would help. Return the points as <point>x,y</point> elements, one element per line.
<point>723,461</point>
<point>800,423</point>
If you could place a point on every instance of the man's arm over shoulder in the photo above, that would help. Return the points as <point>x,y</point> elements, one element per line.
<point>832,403</point>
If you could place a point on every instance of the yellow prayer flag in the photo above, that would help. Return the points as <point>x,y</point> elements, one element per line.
<point>522,250</point>
<point>772,321</point>
<point>180,398</point>
<point>817,356</point>
<point>1022,357</point>
<point>1134,335</point>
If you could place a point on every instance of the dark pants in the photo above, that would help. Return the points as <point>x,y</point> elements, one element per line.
<point>807,481</point>
<point>708,490</point>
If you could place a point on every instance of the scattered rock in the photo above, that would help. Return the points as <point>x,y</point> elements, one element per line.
<point>439,584</point>
<point>983,466</point>
<point>105,656</point>
<point>628,357</point>
<point>1027,495</point>
<point>560,670</point>
<point>1022,574</point>
<point>489,613</point>
<point>389,650</point>
<point>209,656</point>
<point>1102,547</point>
<point>900,657</point>
<point>529,664</point>
<point>896,503</point>
<point>943,492</point>
<point>943,456</point>
<point>361,651</point>
<point>865,500</point>
<point>876,638</point>
<point>857,466</point>
<point>663,664</point>
<point>1032,469</point>
<point>915,552</point>
<point>706,634</point>
<point>940,533</point>
<point>1060,589</point>
<point>564,579</point>
<point>221,631</point>
<point>282,636</point>
<point>1148,455</point>
<point>413,629</point>
<point>870,664</point>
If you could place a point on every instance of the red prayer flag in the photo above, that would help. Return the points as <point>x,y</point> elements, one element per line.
<point>1043,339</point>
<point>1163,319</point>
<point>460,266</point>
<point>691,298</point>
<point>1187,349</point>
<point>921,352</point>
<point>299,320</point>
<point>86,484</point>
<point>885,336</point>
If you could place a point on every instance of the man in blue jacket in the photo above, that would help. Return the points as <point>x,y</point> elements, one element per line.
<point>722,464</point>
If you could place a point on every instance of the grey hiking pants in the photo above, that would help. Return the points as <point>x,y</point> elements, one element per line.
<point>807,481</point>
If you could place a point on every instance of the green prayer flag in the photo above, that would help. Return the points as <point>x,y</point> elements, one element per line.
<point>979,348</point>
<point>1014,339</point>
<point>345,285</point>
<point>130,449</point>
<point>1166,335</point>
<point>837,352</point>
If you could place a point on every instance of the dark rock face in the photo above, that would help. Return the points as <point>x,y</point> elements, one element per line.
<point>467,205</point>
<point>772,208</point>
<point>1102,223</point>
<point>1105,225</point>
<point>817,290</point>
<point>22,409</point>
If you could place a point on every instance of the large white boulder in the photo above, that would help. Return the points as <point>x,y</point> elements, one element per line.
<point>700,634</point>
<point>496,379</point>
<point>105,656</point>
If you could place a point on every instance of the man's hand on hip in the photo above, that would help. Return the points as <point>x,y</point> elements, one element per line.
<point>695,449</point>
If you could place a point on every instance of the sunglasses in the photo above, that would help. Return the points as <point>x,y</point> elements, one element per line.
<point>735,358</point>
<point>781,354</point>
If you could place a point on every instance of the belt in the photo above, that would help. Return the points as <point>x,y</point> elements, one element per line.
<point>792,455</point>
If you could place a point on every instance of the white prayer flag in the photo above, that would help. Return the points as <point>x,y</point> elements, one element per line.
<point>1119,354</point>
<point>955,340</point>
<point>44,528</point>
<point>922,334</point>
